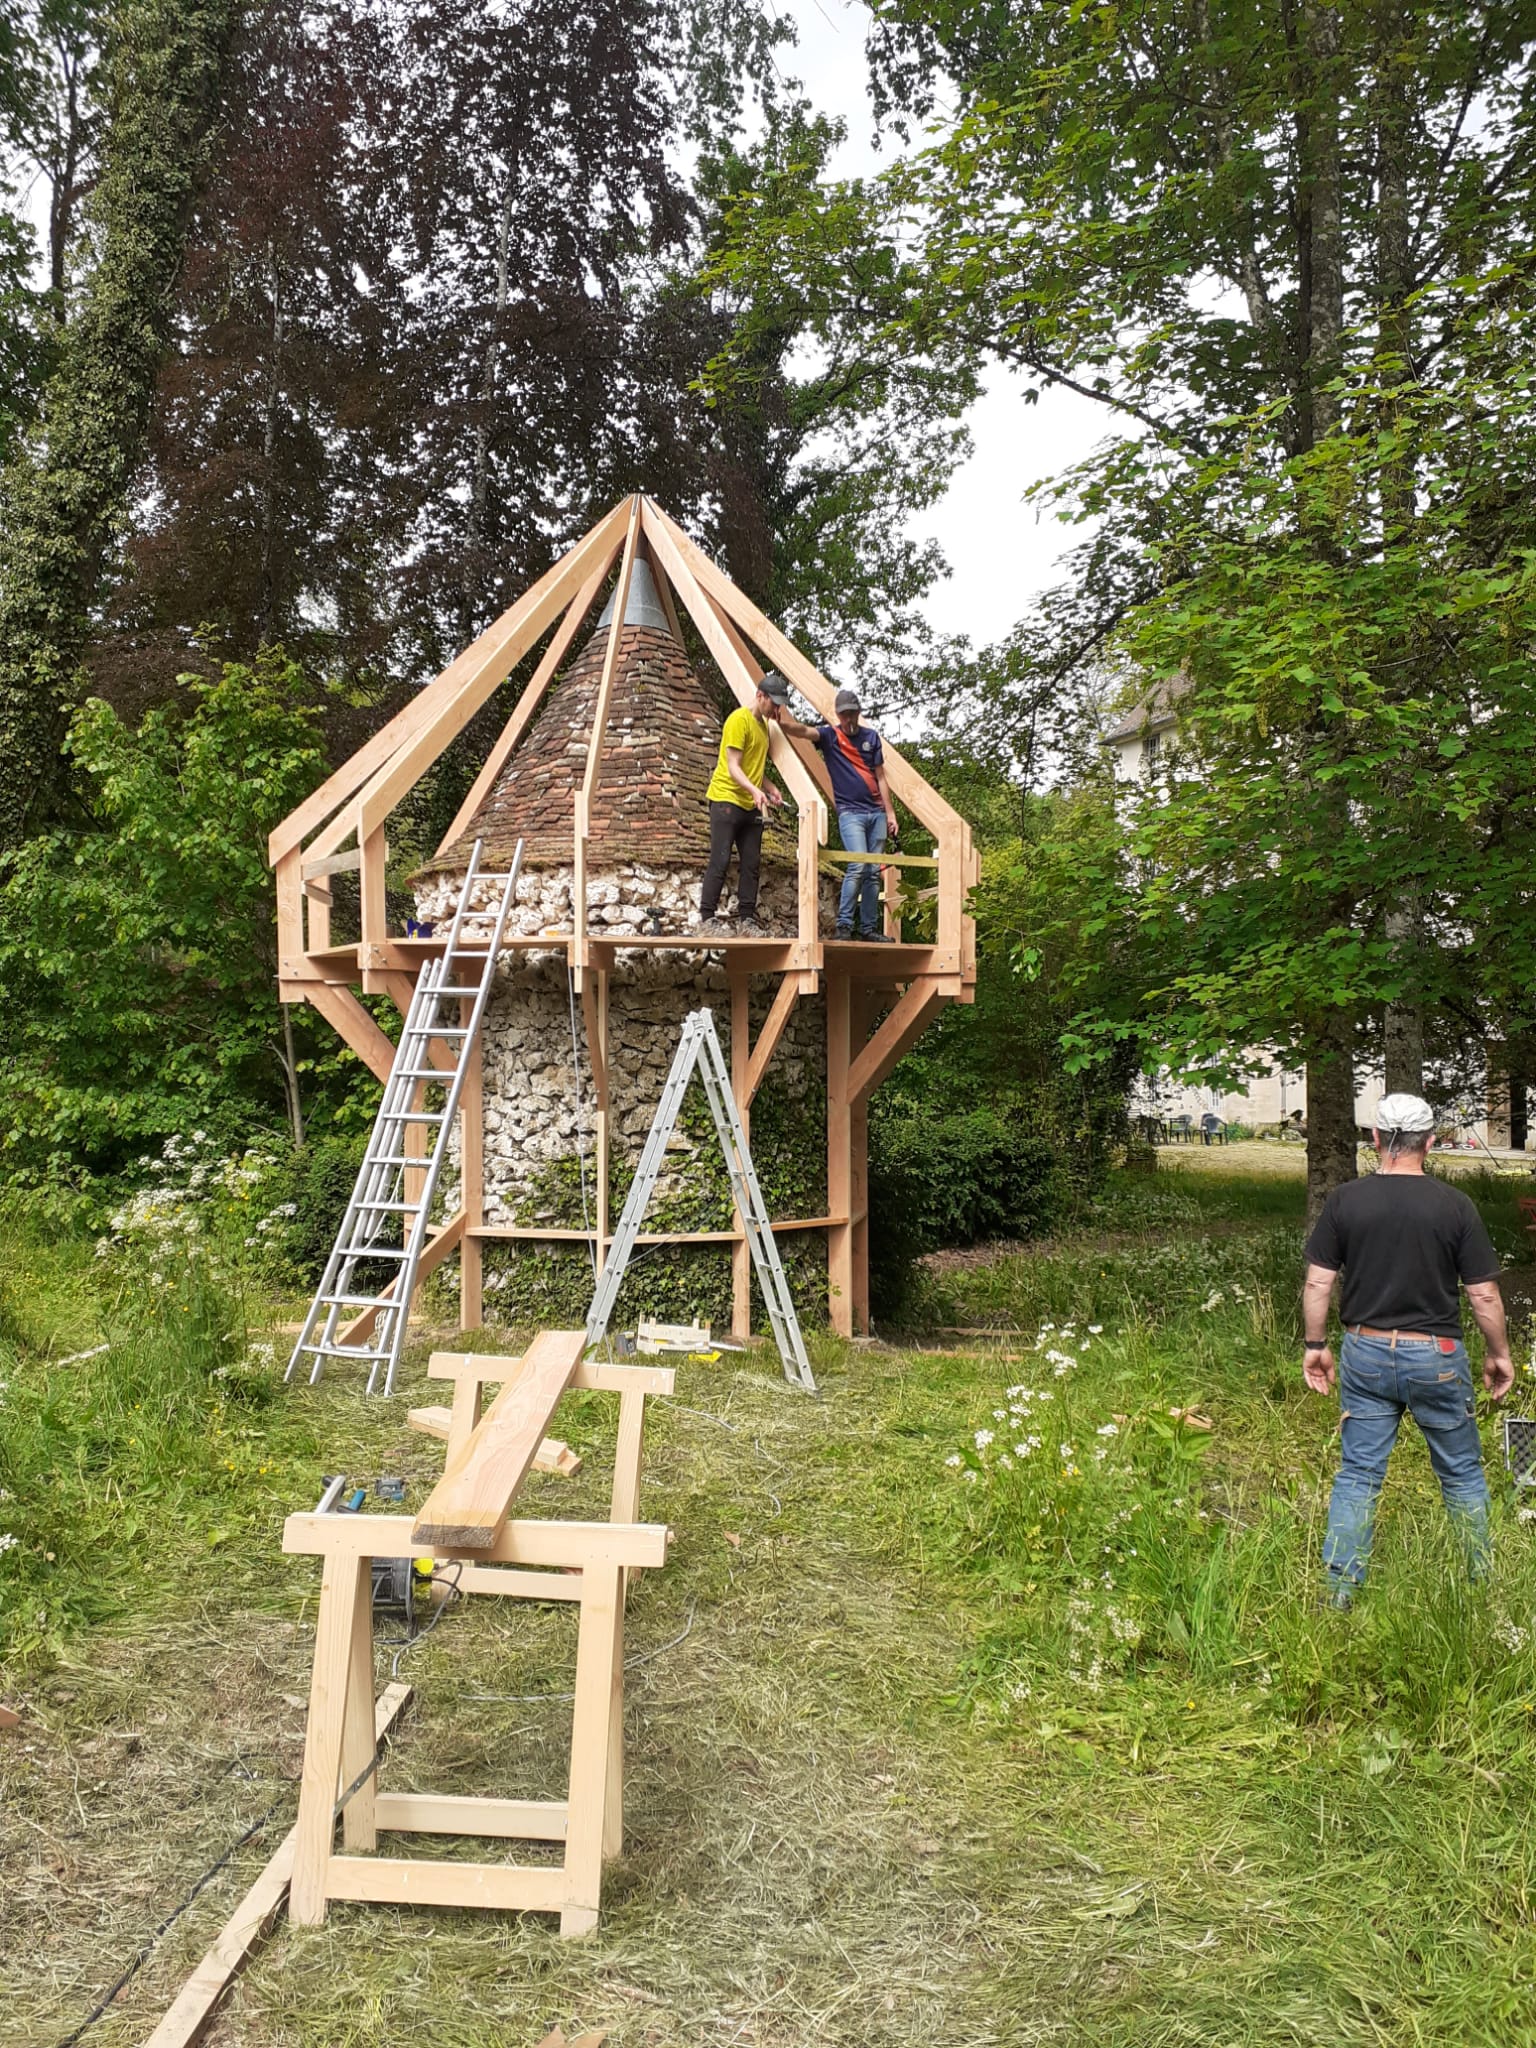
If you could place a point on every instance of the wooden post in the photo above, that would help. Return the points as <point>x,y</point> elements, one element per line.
<point>839,1155</point>
<point>858,1169</point>
<point>374,906</point>
<point>598,1685</point>
<point>358,1743</point>
<point>602,1119</point>
<point>290,914</point>
<point>345,1583</point>
<point>626,1503</point>
<point>472,1163</point>
<point>741,1064</point>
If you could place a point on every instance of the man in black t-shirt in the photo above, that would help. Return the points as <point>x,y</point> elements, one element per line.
<point>1405,1244</point>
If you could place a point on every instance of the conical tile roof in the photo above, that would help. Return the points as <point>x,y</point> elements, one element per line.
<point>649,804</point>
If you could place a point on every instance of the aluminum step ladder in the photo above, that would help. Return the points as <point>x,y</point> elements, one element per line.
<point>699,1048</point>
<point>381,1228</point>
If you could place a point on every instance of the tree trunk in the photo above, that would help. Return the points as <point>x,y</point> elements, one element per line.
<point>1326,219</point>
<point>269,451</point>
<point>1403,1035</point>
<point>60,499</point>
<point>1331,1141</point>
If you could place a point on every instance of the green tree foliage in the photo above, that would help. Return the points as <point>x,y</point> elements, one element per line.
<point>63,493</point>
<point>1220,224</point>
<point>139,953</point>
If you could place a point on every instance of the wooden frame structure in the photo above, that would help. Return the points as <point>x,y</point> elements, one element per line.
<point>341,827</point>
<point>586,1562</point>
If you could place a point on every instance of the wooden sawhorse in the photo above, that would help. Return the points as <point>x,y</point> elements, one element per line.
<point>531,1560</point>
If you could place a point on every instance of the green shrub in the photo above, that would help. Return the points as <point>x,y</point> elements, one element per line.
<point>937,1181</point>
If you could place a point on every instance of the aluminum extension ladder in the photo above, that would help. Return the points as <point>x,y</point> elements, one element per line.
<point>462,973</point>
<point>700,1048</point>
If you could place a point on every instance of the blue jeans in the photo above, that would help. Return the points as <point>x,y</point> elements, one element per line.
<point>1378,1382</point>
<point>862,832</point>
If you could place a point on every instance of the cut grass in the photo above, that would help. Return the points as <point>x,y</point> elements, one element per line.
<point>873,1797</point>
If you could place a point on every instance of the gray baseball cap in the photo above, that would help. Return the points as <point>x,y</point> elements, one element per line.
<point>847,700</point>
<point>773,685</point>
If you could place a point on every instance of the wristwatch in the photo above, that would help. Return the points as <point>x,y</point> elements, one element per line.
<point>1314,1343</point>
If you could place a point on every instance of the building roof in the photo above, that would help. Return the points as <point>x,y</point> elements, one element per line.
<point>1154,712</point>
<point>660,745</point>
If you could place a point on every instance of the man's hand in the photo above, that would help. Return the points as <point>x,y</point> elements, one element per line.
<point>1318,1370</point>
<point>891,828</point>
<point>1498,1374</point>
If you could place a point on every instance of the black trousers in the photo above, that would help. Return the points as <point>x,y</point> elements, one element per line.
<point>730,825</point>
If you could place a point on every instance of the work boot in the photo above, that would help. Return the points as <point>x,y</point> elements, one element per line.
<point>717,928</point>
<point>843,931</point>
<point>750,926</point>
<point>878,938</point>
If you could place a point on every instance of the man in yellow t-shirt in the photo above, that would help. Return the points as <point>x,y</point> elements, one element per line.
<point>739,800</point>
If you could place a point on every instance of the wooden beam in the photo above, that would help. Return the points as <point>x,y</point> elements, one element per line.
<point>774,1025</point>
<point>592,1375</point>
<point>197,2000</point>
<point>332,864</point>
<point>858,1167</point>
<point>637,1546</point>
<point>436,1249</point>
<point>463,676</point>
<point>664,592</point>
<point>409,1881</point>
<point>531,698</point>
<point>839,1155</point>
<point>919,796</point>
<point>469,1506</point>
<point>805,750</point>
<point>741,1061</point>
<point>913,1013</point>
<point>439,1813</point>
<point>742,683</point>
<point>518,630</point>
<point>472,1178</point>
<point>346,1015</point>
<point>583,807</point>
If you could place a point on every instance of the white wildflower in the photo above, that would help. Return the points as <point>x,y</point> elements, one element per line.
<point>1095,1329</point>
<point>1108,1429</point>
<point>954,1460</point>
<point>1212,1301</point>
<point>8,1541</point>
<point>983,1438</point>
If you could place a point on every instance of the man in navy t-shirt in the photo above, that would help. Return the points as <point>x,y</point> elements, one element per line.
<point>865,814</point>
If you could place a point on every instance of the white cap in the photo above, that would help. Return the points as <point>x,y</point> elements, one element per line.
<point>1404,1113</point>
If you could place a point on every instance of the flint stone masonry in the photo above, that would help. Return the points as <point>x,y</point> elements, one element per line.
<point>538,1095</point>
<point>632,899</point>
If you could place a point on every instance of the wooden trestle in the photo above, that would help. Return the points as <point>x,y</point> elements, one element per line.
<point>341,827</point>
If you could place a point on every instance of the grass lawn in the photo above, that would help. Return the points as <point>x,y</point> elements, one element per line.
<point>932,1741</point>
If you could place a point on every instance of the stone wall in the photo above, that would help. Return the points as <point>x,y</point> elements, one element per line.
<point>628,899</point>
<point>538,1094</point>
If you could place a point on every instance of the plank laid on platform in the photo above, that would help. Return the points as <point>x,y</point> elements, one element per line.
<point>469,1506</point>
<point>595,1375</point>
<point>552,1455</point>
<point>194,2004</point>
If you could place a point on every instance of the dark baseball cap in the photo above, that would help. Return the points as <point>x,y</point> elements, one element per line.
<point>773,685</point>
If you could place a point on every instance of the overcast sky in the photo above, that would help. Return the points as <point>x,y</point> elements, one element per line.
<point>1000,554</point>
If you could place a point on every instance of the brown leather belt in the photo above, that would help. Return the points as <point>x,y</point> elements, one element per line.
<point>1396,1336</point>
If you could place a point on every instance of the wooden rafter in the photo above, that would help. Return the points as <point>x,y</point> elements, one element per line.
<point>920,798</point>
<point>595,738</point>
<point>531,698</point>
<point>402,732</point>
<point>774,1024</point>
<point>743,684</point>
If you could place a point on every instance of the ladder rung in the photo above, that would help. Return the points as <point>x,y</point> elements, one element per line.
<point>457,991</point>
<point>342,1351</point>
<point>418,1116</point>
<point>441,1074</point>
<point>397,1159</point>
<point>372,1251</point>
<point>357,1301</point>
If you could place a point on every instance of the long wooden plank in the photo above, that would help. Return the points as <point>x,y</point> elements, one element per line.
<point>469,1506</point>
<point>407,724</point>
<point>433,1252</point>
<point>774,1024</point>
<point>195,2003</point>
<point>552,1456</point>
<point>531,698</point>
<point>638,1546</point>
